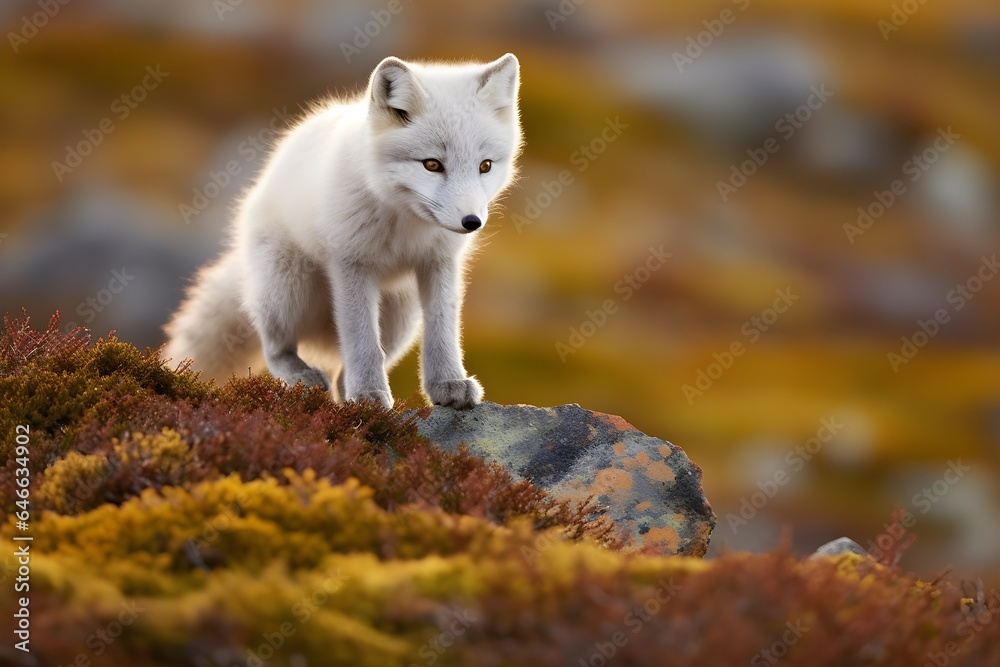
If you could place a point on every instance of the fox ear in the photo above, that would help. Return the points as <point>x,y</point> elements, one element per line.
<point>499,82</point>
<point>395,92</point>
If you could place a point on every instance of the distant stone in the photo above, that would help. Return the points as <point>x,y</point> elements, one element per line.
<point>646,485</point>
<point>839,547</point>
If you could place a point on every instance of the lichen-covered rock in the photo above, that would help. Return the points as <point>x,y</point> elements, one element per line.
<point>839,547</point>
<point>647,485</point>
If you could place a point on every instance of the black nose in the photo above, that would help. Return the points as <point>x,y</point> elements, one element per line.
<point>472,222</point>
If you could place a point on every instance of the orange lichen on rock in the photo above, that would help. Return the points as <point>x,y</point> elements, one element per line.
<point>664,539</point>
<point>659,471</point>
<point>615,421</point>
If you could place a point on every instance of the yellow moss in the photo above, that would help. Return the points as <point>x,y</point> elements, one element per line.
<point>251,524</point>
<point>851,565</point>
<point>69,482</point>
<point>222,566</point>
<point>165,450</point>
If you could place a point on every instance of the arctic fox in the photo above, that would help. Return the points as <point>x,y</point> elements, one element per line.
<point>356,235</point>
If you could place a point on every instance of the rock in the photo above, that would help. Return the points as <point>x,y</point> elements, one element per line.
<point>646,485</point>
<point>839,547</point>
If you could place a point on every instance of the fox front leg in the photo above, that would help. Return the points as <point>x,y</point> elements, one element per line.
<point>443,374</point>
<point>355,309</point>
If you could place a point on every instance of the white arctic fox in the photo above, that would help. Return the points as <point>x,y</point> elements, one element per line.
<point>356,235</point>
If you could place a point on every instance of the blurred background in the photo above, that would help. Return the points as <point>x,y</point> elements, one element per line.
<point>761,229</point>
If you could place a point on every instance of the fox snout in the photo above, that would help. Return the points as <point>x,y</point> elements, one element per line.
<point>471,223</point>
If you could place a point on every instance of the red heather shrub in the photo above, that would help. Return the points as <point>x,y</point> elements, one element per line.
<point>111,400</point>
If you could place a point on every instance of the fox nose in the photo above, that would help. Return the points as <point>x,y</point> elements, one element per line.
<point>472,222</point>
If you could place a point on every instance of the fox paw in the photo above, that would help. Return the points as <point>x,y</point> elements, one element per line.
<point>373,395</point>
<point>460,394</point>
<point>310,377</point>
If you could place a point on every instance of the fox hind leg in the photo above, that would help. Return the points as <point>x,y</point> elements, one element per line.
<point>399,322</point>
<point>282,290</point>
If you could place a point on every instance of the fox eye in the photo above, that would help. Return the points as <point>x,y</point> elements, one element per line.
<point>433,165</point>
<point>485,166</point>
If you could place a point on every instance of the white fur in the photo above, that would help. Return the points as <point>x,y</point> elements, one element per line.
<point>348,242</point>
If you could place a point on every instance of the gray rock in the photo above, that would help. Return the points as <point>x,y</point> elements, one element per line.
<point>839,547</point>
<point>646,485</point>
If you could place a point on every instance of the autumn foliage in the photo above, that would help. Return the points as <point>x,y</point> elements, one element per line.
<point>177,522</point>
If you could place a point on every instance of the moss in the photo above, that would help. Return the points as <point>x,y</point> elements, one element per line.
<point>54,382</point>
<point>164,451</point>
<point>68,482</point>
<point>557,608</point>
<point>256,523</point>
<point>104,400</point>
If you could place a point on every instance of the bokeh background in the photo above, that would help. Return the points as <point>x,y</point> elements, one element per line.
<point>885,79</point>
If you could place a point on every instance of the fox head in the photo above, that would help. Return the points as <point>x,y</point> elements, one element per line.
<point>445,137</point>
